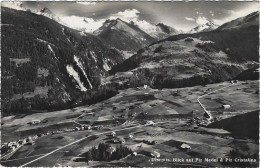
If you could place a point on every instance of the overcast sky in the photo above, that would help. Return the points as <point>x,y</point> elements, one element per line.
<point>180,15</point>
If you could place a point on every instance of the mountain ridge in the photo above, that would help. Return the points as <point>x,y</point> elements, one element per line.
<point>123,36</point>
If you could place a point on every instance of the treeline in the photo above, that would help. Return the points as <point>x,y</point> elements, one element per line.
<point>37,103</point>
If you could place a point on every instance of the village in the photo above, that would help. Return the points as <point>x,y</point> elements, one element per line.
<point>148,123</point>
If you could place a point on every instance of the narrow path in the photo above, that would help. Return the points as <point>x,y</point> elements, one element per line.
<point>198,99</point>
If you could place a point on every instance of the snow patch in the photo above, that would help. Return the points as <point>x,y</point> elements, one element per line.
<point>105,65</point>
<point>49,46</point>
<point>75,75</point>
<point>81,67</point>
<point>93,55</point>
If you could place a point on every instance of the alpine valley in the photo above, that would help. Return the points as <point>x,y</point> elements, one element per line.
<point>127,92</point>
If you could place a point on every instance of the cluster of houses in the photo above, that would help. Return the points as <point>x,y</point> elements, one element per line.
<point>83,127</point>
<point>120,140</point>
<point>9,147</point>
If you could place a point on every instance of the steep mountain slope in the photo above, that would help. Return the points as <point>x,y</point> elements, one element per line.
<point>209,26</point>
<point>190,59</point>
<point>249,20</point>
<point>48,13</point>
<point>46,65</point>
<point>123,36</point>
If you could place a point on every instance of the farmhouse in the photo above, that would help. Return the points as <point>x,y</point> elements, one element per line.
<point>35,121</point>
<point>226,106</point>
<point>155,154</point>
<point>185,146</point>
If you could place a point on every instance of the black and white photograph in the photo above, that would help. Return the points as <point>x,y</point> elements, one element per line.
<point>129,84</point>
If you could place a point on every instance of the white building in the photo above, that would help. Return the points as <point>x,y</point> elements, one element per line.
<point>226,106</point>
<point>185,146</point>
<point>155,154</point>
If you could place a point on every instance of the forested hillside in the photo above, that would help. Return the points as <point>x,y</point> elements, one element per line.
<point>46,65</point>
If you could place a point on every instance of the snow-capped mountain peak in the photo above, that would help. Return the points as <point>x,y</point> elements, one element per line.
<point>48,13</point>
<point>204,27</point>
<point>158,31</point>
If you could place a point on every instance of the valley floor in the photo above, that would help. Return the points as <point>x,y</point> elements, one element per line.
<point>149,120</point>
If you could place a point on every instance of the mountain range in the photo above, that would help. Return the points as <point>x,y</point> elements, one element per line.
<point>47,66</point>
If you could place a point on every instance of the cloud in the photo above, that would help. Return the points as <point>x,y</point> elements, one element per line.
<point>201,20</point>
<point>126,15</point>
<point>86,3</point>
<point>13,5</point>
<point>189,19</point>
